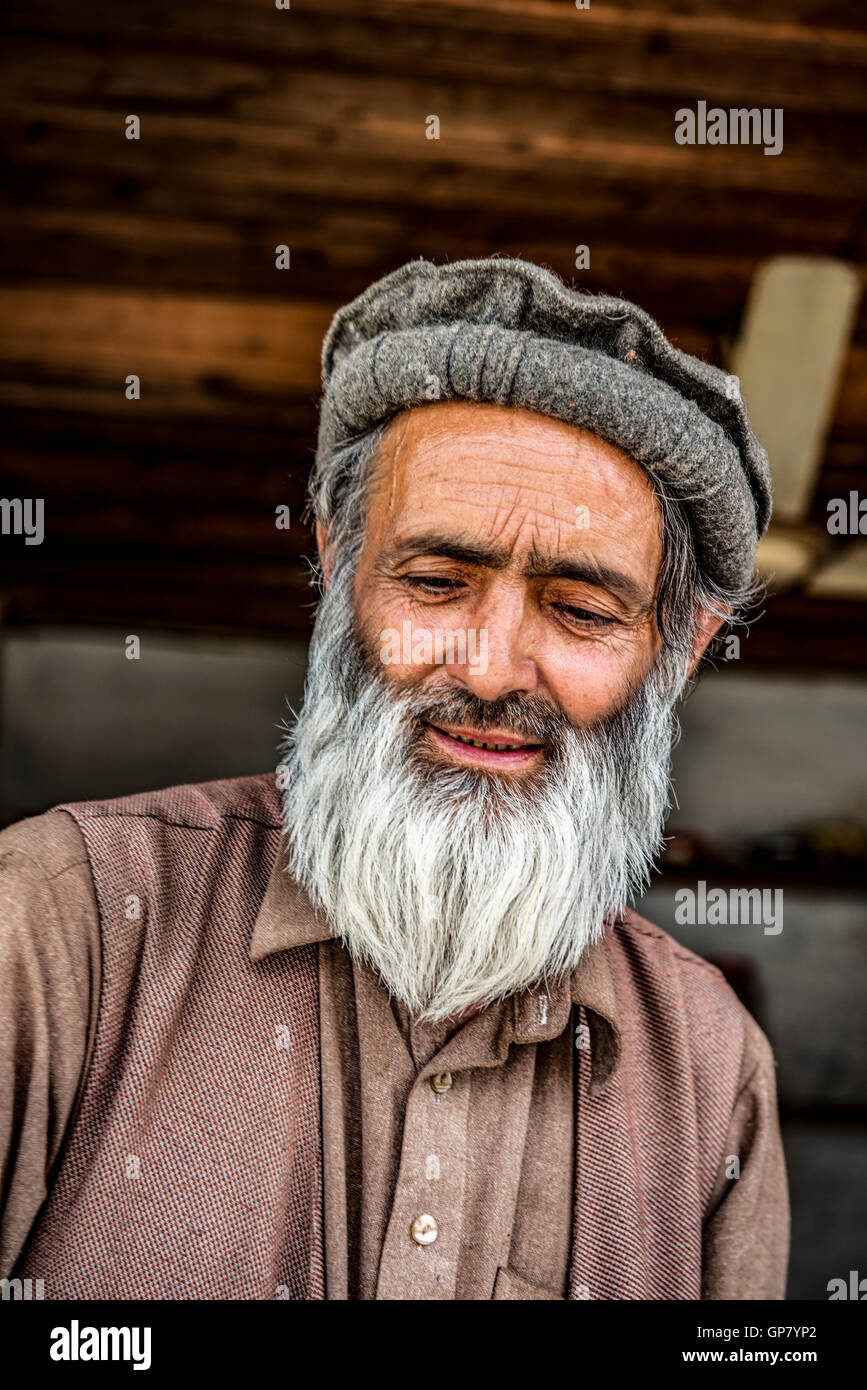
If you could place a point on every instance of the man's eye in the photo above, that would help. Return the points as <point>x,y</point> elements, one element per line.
<point>583,615</point>
<point>431,583</point>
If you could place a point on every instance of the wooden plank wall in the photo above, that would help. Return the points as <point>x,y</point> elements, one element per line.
<point>306,127</point>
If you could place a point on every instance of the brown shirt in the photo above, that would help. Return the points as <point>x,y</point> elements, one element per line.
<point>487,1151</point>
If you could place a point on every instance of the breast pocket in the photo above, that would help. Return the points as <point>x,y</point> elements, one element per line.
<point>508,1284</point>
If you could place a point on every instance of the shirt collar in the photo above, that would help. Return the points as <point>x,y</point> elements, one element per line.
<point>287,919</point>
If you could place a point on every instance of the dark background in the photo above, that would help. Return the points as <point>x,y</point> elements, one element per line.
<point>262,127</point>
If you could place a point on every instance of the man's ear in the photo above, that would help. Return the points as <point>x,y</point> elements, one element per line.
<point>324,552</point>
<point>707,626</point>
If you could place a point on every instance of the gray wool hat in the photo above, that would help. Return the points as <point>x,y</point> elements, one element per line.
<point>509,332</point>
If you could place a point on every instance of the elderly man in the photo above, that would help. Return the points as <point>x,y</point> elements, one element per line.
<point>384,1027</point>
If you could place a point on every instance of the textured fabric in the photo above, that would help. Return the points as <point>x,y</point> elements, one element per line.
<point>661,1123</point>
<point>491,1158</point>
<point>185,1077</point>
<point>49,996</point>
<point>509,332</point>
<point>193,1168</point>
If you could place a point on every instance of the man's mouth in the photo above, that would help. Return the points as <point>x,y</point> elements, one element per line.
<point>485,748</point>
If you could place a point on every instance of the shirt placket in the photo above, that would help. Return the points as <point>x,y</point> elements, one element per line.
<point>423,1241</point>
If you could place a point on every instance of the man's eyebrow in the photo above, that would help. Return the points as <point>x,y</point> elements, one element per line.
<point>451,548</point>
<point>587,571</point>
<point>582,571</point>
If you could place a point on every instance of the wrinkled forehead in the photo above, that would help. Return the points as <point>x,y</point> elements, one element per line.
<point>511,476</point>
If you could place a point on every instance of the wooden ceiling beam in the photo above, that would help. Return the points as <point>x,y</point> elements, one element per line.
<point>294,144</point>
<point>391,32</point>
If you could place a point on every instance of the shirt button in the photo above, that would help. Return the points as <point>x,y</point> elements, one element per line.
<point>424,1230</point>
<point>442,1081</point>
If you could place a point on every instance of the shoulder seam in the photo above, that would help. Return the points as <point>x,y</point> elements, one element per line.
<point>702,964</point>
<point>760,1059</point>
<point>166,820</point>
<point>74,864</point>
<point>49,875</point>
<point>657,934</point>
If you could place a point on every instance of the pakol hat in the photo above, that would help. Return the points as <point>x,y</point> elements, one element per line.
<point>509,332</point>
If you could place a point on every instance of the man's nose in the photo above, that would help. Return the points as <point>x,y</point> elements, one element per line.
<point>499,658</point>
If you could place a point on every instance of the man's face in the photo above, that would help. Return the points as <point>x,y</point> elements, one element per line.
<point>487,519</point>
<point>465,873</point>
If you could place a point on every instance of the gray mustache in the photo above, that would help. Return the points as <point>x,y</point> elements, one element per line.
<point>528,717</point>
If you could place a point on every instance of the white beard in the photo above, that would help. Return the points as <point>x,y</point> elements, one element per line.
<point>458,886</point>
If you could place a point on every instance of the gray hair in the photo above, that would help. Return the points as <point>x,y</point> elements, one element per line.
<point>337,496</point>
